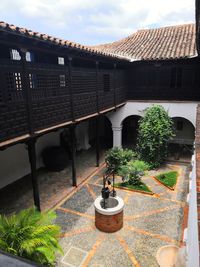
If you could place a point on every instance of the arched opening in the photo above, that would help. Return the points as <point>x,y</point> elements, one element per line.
<point>129,131</point>
<point>181,146</point>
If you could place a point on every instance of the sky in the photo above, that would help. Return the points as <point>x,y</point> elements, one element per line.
<point>95,21</point>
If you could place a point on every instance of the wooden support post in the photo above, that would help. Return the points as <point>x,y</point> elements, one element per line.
<point>97,85</point>
<point>73,154</point>
<point>32,160</point>
<point>70,88</point>
<point>115,83</point>
<point>97,142</point>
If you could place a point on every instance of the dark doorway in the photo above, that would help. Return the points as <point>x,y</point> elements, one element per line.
<point>181,146</point>
<point>129,131</point>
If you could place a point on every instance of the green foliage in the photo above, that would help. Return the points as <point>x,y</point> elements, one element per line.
<point>139,187</point>
<point>133,171</point>
<point>155,130</point>
<point>168,178</point>
<point>116,157</point>
<point>127,155</point>
<point>31,235</point>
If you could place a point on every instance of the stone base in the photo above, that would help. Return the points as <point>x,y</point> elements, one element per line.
<point>109,223</point>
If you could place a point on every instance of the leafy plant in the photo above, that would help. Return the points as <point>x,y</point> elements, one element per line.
<point>113,159</point>
<point>155,131</point>
<point>133,171</point>
<point>117,157</point>
<point>31,235</point>
<point>127,155</point>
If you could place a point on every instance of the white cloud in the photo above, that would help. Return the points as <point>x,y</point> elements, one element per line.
<point>88,19</point>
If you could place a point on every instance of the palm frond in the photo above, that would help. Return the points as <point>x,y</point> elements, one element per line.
<point>30,234</point>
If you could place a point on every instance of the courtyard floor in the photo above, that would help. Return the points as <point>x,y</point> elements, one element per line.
<point>53,186</point>
<point>150,222</point>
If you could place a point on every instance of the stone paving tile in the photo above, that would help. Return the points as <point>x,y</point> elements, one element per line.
<point>69,221</point>
<point>139,203</point>
<point>164,223</point>
<point>80,201</point>
<point>143,247</point>
<point>96,189</point>
<point>150,222</point>
<point>110,253</point>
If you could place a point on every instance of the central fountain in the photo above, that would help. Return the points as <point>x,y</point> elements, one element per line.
<point>108,208</point>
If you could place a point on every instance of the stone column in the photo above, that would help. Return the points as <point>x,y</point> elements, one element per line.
<point>117,136</point>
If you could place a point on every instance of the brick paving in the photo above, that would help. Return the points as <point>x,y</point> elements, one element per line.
<point>150,222</point>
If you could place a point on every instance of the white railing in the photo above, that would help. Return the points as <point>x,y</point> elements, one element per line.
<point>191,232</point>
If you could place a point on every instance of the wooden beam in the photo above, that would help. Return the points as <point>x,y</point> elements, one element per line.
<point>53,127</point>
<point>97,141</point>
<point>32,160</point>
<point>73,154</point>
<point>14,141</point>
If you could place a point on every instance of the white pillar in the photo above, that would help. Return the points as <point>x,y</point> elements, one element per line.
<point>117,136</point>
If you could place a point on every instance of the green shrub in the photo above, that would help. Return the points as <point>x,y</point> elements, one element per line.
<point>127,155</point>
<point>117,157</point>
<point>31,235</point>
<point>155,131</point>
<point>113,159</point>
<point>133,171</point>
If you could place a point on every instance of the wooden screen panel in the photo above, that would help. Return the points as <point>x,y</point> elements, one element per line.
<point>84,104</point>
<point>106,98</point>
<point>13,110</point>
<point>50,112</point>
<point>83,80</point>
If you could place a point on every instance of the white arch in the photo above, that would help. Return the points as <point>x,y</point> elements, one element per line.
<point>185,110</point>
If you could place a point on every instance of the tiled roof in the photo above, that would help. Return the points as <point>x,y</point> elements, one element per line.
<point>45,37</point>
<point>155,44</point>
<point>152,44</point>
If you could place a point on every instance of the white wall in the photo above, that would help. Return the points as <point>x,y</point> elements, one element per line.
<point>14,162</point>
<point>191,238</point>
<point>186,110</point>
<point>82,135</point>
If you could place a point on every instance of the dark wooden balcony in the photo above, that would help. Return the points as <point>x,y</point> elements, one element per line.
<point>37,96</point>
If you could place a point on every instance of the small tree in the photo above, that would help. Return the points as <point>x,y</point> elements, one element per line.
<point>113,159</point>
<point>116,157</point>
<point>155,131</point>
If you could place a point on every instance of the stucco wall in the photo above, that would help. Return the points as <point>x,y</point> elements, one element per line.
<point>185,110</point>
<point>14,162</point>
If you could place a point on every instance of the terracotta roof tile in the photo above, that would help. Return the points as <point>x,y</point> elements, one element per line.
<point>44,37</point>
<point>153,44</point>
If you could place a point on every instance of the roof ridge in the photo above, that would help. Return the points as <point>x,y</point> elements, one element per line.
<point>58,41</point>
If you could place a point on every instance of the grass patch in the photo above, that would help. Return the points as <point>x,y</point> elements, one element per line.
<point>168,178</point>
<point>142,187</point>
